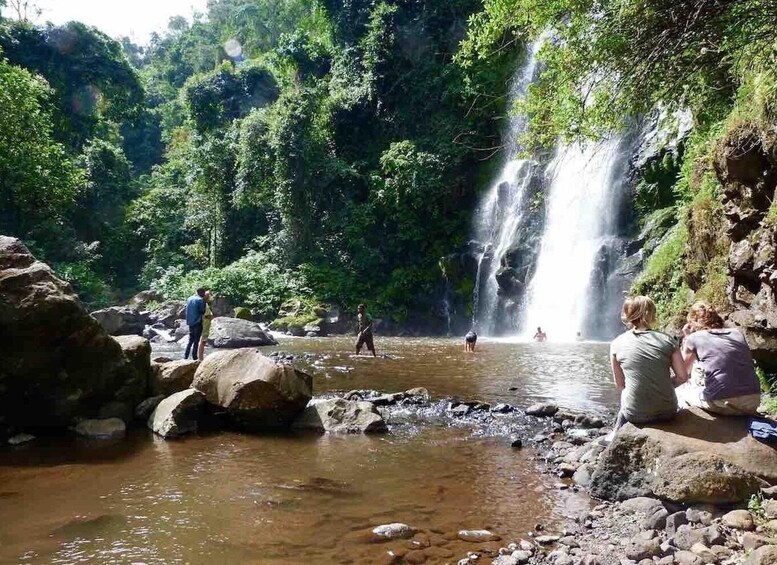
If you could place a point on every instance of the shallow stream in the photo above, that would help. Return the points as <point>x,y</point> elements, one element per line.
<point>282,499</point>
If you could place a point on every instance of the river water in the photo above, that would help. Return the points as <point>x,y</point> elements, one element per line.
<point>233,498</point>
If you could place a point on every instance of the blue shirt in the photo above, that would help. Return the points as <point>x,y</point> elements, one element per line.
<point>195,308</point>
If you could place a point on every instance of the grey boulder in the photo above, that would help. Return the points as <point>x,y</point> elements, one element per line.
<point>257,392</point>
<point>231,333</point>
<point>178,414</point>
<point>341,416</point>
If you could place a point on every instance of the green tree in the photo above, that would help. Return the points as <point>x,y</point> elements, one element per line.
<point>38,182</point>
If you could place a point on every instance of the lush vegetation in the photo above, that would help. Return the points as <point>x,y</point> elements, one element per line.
<point>332,150</point>
<point>324,149</point>
<point>608,62</point>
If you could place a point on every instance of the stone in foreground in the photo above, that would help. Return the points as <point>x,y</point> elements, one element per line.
<point>739,520</point>
<point>697,457</point>
<point>541,410</point>
<point>256,392</point>
<point>231,333</point>
<point>177,415</point>
<point>478,536</point>
<point>393,531</point>
<point>147,407</point>
<point>341,416</point>
<point>58,362</point>
<point>172,377</point>
<point>137,350</point>
<point>766,555</point>
<point>101,429</point>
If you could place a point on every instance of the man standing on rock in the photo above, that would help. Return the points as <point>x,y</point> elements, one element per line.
<point>365,331</point>
<point>195,309</point>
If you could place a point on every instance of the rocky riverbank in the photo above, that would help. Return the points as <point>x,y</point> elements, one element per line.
<point>668,495</point>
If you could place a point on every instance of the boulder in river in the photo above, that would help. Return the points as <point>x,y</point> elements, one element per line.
<point>147,407</point>
<point>697,457</point>
<point>137,350</point>
<point>177,414</point>
<point>337,415</point>
<point>108,428</point>
<point>167,313</point>
<point>121,320</point>
<point>58,362</point>
<point>394,531</point>
<point>257,392</point>
<point>172,377</point>
<point>232,333</point>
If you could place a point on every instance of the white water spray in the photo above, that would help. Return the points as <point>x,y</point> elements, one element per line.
<point>582,208</point>
<point>500,213</point>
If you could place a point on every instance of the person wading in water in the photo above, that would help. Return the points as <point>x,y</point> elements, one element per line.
<point>365,331</point>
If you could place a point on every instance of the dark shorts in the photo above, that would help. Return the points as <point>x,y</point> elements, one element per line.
<point>365,339</point>
<point>471,337</point>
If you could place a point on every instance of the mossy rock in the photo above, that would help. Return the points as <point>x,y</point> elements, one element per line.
<point>243,313</point>
<point>292,322</point>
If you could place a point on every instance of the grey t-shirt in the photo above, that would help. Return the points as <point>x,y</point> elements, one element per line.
<point>725,361</point>
<point>645,357</point>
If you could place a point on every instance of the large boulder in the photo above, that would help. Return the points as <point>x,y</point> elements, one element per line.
<point>221,307</point>
<point>697,457</point>
<point>167,313</point>
<point>121,320</point>
<point>337,415</point>
<point>172,377</point>
<point>257,392</point>
<point>178,414</point>
<point>243,313</point>
<point>232,333</point>
<point>107,428</point>
<point>145,298</point>
<point>58,362</point>
<point>137,350</point>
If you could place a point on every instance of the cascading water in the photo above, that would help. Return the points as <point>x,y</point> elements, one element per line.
<point>548,238</point>
<point>584,219</point>
<point>501,212</point>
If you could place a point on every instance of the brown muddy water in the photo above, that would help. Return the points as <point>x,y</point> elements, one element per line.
<point>234,498</point>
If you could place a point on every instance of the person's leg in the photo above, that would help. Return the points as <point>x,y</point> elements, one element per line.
<point>619,421</point>
<point>201,348</point>
<point>196,334</point>
<point>746,405</point>
<point>359,344</point>
<point>191,345</point>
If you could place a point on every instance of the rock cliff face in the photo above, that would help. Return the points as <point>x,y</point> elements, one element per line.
<point>746,165</point>
<point>58,362</point>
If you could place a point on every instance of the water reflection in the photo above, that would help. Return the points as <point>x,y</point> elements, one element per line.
<point>575,375</point>
<point>291,499</point>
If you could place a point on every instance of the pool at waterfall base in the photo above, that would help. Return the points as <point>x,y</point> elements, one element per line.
<point>301,498</point>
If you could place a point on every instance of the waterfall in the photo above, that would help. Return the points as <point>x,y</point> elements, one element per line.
<point>584,204</point>
<point>549,235</point>
<point>501,212</point>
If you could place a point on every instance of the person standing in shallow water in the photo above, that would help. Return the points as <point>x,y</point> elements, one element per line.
<point>206,319</point>
<point>540,335</point>
<point>470,340</point>
<point>365,331</point>
<point>195,310</point>
<point>641,361</point>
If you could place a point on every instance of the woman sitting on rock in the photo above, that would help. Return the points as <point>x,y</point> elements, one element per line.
<point>641,360</point>
<point>723,378</point>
